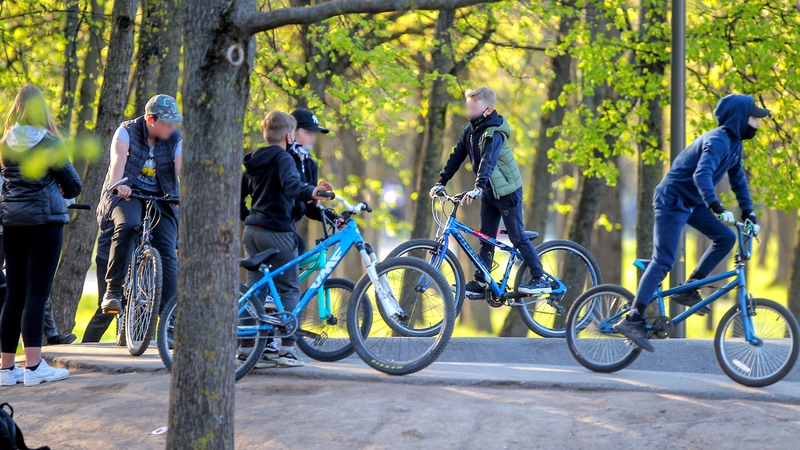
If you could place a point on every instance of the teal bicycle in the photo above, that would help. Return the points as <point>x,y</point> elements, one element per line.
<point>756,343</point>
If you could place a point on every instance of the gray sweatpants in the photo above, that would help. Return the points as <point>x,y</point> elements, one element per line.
<point>256,241</point>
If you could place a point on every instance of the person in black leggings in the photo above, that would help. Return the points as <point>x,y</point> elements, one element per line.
<point>34,214</point>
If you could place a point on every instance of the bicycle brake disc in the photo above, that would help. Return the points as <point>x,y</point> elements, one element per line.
<point>662,326</point>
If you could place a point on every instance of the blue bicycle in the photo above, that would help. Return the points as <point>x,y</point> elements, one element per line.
<point>756,343</point>
<point>570,268</point>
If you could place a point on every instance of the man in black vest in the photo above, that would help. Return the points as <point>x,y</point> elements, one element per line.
<point>146,151</point>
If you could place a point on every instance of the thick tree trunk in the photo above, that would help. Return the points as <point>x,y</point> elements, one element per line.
<point>79,242</point>
<point>215,94</point>
<point>541,178</point>
<point>607,245</point>
<point>158,54</point>
<point>651,169</point>
<point>784,226</point>
<point>794,280</point>
<point>71,71</point>
<point>430,163</point>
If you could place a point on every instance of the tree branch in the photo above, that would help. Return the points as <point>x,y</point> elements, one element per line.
<point>256,22</point>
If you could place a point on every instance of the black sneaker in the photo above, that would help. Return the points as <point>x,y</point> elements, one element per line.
<point>475,290</point>
<point>538,286</point>
<point>634,331</point>
<point>691,298</point>
<point>112,301</point>
<point>61,339</point>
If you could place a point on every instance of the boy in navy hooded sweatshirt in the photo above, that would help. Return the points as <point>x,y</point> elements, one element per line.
<point>687,195</point>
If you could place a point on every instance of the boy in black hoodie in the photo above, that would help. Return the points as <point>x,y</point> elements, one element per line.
<point>273,182</point>
<point>688,196</point>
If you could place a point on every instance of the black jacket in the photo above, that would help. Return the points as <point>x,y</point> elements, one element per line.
<point>272,180</point>
<point>27,202</point>
<point>482,165</point>
<point>309,174</point>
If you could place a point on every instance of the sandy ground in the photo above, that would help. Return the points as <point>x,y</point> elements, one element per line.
<point>97,411</point>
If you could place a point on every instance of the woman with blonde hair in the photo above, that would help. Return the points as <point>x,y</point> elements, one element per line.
<point>33,215</point>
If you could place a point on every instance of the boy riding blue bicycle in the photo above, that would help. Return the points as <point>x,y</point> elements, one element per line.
<point>499,186</point>
<point>687,195</point>
<point>272,180</point>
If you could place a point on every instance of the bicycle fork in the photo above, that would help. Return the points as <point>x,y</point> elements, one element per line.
<point>382,289</point>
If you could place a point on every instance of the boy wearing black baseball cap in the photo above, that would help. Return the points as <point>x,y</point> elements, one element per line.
<point>305,138</point>
<point>687,195</point>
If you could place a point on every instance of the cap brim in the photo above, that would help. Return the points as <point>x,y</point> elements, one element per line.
<point>759,113</point>
<point>317,128</point>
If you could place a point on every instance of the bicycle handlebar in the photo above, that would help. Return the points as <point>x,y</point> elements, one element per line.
<point>326,194</point>
<point>165,199</point>
<point>361,206</point>
<point>80,206</point>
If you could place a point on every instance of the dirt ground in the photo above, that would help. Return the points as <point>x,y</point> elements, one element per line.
<point>96,411</point>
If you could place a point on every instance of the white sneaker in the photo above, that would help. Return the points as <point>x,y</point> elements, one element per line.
<point>287,357</point>
<point>10,377</point>
<point>44,373</point>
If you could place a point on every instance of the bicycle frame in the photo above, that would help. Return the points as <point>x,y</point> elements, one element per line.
<point>343,241</point>
<point>739,282</point>
<point>454,228</point>
<point>312,265</point>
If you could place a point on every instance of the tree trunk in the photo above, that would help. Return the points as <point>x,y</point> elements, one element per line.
<point>430,163</point>
<point>607,245</point>
<point>784,226</point>
<point>794,280</point>
<point>91,65</point>
<point>71,71</point>
<point>82,232</point>
<point>171,39</point>
<point>650,142</point>
<point>215,94</point>
<point>541,178</point>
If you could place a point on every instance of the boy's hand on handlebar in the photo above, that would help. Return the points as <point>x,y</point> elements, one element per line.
<point>726,217</point>
<point>323,186</point>
<point>340,223</point>
<point>751,226</point>
<point>436,191</point>
<point>124,191</point>
<point>473,194</point>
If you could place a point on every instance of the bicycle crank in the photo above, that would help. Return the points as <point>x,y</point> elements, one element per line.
<point>661,326</point>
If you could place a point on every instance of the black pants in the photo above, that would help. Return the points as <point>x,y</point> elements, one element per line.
<point>31,260</point>
<point>49,320</point>
<point>509,208</point>
<point>125,217</point>
<point>99,322</point>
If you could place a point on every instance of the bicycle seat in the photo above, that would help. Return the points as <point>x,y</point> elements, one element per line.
<point>642,263</point>
<point>254,262</point>
<point>531,235</point>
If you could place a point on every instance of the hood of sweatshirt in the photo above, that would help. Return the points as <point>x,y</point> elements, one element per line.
<point>23,137</point>
<point>733,112</point>
<point>261,159</point>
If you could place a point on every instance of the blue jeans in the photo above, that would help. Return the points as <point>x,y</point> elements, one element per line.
<point>509,208</point>
<point>671,216</point>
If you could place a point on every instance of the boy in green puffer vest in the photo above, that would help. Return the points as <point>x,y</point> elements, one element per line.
<point>499,186</point>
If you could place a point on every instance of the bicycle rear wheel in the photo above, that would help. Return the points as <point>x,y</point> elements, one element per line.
<point>251,335</point>
<point>141,309</point>
<point>769,359</point>
<point>590,338</point>
<point>330,340</point>
<point>383,347</point>
<point>571,264</point>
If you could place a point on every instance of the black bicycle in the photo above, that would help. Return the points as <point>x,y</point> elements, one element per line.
<point>141,293</point>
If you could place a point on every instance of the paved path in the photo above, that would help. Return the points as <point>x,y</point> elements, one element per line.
<point>522,363</point>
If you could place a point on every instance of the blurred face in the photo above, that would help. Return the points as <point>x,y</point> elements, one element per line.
<point>159,128</point>
<point>306,138</point>
<point>475,109</point>
<point>753,122</point>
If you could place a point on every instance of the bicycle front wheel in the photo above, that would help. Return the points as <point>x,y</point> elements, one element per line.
<point>383,347</point>
<point>141,309</point>
<point>571,264</point>
<point>770,357</point>
<point>590,336</point>
<point>323,331</point>
<point>430,251</point>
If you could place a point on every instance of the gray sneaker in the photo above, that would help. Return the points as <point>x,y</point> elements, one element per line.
<point>634,331</point>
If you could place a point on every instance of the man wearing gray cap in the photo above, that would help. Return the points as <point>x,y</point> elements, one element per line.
<point>146,151</point>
